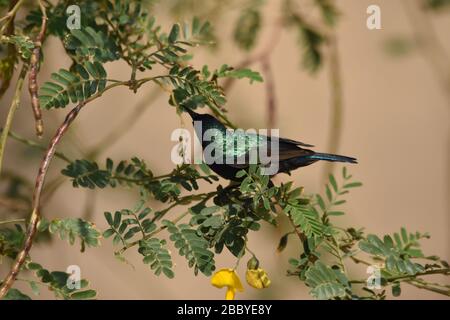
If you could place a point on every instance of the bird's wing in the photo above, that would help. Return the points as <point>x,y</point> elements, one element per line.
<point>241,144</point>
<point>294,142</point>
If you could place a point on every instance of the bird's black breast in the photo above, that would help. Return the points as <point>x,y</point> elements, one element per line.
<point>225,171</point>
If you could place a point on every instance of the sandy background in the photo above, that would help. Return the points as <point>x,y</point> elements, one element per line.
<point>396,123</point>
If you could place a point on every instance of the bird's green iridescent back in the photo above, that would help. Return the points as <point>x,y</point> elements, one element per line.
<point>236,143</point>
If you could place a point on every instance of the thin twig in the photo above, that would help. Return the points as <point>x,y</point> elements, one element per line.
<point>416,284</point>
<point>270,92</point>
<point>12,110</point>
<point>337,107</point>
<point>12,221</point>
<point>34,69</point>
<point>10,16</point>
<point>148,236</point>
<point>258,57</point>
<point>35,144</point>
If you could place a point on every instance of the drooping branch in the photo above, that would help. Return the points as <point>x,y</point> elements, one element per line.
<point>263,57</point>
<point>428,43</point>
<point>42,173</point>
<point>35,215</point>
<point>35,144</point>
<point>260,56</point>
<point>270,92</point>
<point>9,17</point>
<point>12,110</point>
<point>40,179</point>
<point>336,104</point>
<point>34,69</point>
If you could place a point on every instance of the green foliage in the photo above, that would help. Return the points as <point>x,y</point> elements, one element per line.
<point>16,294</point>
<point>89,45</point>
<point>226,71</point>
<point>193,90</point>
<point>247,28</point>
<point>436,4</point>
<point>10,241</point>
<point>396,254</point>
<point>73,87</point>
<point>305,218</point>
<point>326,283</point>
<point>191,246</point>
<point>87,174</point>
<point>23,44</point>
<point>126,31</point>
<point>399,46</point>
<point>333,194</point>
<point>311,40</point>
<point>328,10</point>
<point>136,221</point>
<point>310,37</point>
<point>59,283</point>
<point>72,228</point>
<point>157,256</point>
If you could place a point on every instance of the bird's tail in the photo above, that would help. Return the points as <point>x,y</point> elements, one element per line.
<point>331,157</point>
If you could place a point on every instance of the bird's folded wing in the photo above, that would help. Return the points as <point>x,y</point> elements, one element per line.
<point>294,142</point>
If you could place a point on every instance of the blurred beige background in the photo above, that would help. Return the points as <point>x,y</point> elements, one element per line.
<point>396,123</point>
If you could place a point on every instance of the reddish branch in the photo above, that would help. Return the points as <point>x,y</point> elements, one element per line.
<point>263,57</point>
<point>35,216</point>
<point>34,69</point>
<point>270,92</point>
<point>40,179</point>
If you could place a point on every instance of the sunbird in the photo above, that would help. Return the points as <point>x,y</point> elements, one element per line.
<point>240,144</point>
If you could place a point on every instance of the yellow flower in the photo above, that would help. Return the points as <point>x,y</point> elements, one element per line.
<point>227,278</point>
<point>257,278</point>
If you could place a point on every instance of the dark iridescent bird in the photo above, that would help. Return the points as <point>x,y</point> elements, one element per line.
<point>291,153</point>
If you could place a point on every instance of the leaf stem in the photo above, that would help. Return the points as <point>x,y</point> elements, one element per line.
<point>35,144</point>
<point>148,236</point>
<point>34,69</point>
<point>10,15</point>
<point>12,110</point>
<point>12,221</point>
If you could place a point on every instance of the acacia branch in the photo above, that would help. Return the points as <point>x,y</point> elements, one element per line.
<point>40,179</point>
<point>262,55</point>
<point>270,92</point>
<point>9,17</point>
<point>34,69</point>
<point>12,110</point>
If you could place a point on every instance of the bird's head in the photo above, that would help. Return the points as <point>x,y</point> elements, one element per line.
<point>204,118</point>
<point>207,122</point>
